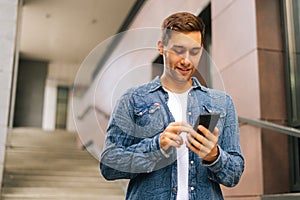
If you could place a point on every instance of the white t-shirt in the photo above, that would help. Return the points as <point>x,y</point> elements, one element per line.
<point>178,105</point>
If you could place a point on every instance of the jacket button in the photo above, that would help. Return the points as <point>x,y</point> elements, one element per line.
<point>174,189</point>
<point>192,188</point>
<point>189,113</point>
<point>192,162</point>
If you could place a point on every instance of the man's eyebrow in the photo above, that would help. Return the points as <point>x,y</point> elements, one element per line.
<point>178,46</point>
<point>182,46</point>
<point>196,48</point>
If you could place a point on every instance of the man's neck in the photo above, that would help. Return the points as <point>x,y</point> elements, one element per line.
<point>176,86</point>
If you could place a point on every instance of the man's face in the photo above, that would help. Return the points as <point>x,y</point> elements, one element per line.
<point>181,55</point>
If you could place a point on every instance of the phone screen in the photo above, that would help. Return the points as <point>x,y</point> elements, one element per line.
<point>208,120</point>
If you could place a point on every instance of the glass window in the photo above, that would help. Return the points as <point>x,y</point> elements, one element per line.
<point>61,107</point>
<point>291,21</point>
<point>291,15</point>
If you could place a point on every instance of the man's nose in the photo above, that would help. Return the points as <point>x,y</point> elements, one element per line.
<point>185,60</point>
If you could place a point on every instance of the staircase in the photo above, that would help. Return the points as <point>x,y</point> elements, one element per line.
<point>51,165</point>
<point>287,196</point>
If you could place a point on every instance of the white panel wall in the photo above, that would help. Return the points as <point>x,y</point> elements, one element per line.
<point>70,118</point>
<point>59,74</point>
<point>64,73</point>
<point>8,22</point>
<point>49,110</point>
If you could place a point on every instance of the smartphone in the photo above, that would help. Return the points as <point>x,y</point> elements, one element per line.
<point>208,120</point>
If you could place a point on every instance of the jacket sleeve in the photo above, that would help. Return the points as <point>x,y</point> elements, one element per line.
<point>125,154</point>
<point>229,166</point>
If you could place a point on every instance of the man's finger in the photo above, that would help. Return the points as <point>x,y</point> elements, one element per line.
<point>209,135</point>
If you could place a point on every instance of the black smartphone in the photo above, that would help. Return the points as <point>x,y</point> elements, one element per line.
<point>208,120</point>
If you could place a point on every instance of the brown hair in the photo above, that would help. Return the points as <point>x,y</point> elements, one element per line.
<point>182,22</point>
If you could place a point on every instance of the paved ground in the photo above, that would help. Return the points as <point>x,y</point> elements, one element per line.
<point>49,165</point>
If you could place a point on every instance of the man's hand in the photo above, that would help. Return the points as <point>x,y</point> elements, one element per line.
<point>171,135</point>
<point>206,145</point>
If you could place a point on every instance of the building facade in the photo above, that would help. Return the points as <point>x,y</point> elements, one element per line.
<point>255,45</point>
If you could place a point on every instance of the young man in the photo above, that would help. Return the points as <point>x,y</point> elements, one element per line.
<point>150,138</point>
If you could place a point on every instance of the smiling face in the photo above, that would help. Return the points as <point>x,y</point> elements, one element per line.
<point>181,56</point>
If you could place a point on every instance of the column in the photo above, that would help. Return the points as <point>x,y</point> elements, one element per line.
<point>234,50</point>
<point>8,27</point>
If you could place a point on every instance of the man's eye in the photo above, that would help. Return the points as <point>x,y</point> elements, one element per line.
<point>194,52</point>
<point>179,50</point>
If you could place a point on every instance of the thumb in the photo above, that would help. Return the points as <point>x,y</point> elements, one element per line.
<point>216,132</point>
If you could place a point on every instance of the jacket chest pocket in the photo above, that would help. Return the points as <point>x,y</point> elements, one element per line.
<point>149,120</point>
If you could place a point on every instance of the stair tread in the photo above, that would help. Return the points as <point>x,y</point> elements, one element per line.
<point>51,165</point>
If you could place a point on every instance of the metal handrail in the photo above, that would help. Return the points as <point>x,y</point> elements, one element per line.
<point>91,107</point>
<point>254,122</point>
<point>271,126</point>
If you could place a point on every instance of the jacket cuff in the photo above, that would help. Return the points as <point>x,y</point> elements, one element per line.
<point>164,153</point>
<point>219,163</point>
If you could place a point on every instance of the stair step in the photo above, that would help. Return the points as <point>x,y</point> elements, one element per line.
<point>46,178</point>
<point>287,196</point>
<point>108,197</point>
<point>32,172</point>
<point>51,165</point>
<point>69,193</point>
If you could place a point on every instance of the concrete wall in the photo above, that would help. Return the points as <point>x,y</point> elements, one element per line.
<point>248,49</point>
<point>8,25</point>
<point>234,50</point>
<point>272,95</point>
<point>30,93</point>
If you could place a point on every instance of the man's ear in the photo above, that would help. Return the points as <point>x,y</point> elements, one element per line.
<point>160,47</point>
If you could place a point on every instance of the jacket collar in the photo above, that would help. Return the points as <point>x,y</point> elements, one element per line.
<point>155,84</point>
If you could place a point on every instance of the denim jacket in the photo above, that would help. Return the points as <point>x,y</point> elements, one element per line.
<point>132,148</point>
